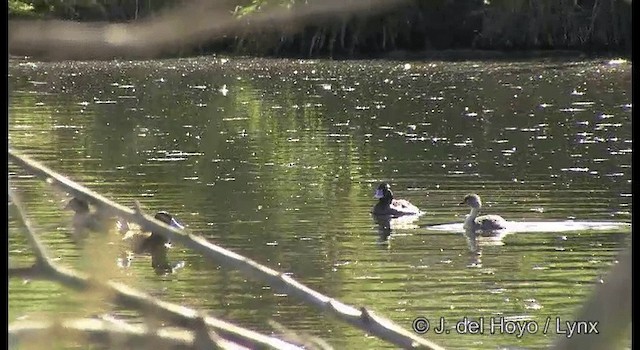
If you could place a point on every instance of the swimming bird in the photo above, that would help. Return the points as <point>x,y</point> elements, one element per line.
<point>84,220</point>
<point>147,242</point>
<point>387,205</point>
<point>485,223</point>
<point>155,244</point>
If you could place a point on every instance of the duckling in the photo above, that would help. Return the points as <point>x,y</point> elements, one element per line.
<point>387,205</point>
<point>485,223</point>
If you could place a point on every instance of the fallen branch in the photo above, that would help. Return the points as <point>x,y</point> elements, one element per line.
<point>126,296</point>
<point>117,335</point>
<point>362,318</point>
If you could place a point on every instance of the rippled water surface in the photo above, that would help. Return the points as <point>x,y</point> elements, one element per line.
<point>278,160</point>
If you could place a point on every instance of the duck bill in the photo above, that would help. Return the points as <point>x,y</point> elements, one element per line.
<point>176,224</point>
<point>378,194</point>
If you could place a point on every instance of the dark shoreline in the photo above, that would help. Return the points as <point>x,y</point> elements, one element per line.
<point>469,54</point>
<point>451,55</point>
<point>452,30</point>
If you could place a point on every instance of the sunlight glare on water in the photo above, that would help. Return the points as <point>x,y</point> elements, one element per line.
<point>278,160</point>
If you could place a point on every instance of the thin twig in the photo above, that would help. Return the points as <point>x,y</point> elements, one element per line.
<point>362,318</point>
<point>130,297</point>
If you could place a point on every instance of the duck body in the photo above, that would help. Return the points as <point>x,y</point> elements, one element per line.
<point>141,242</point>
<point>489,223</point>
<point>387,205</point>
<point>486,224</point>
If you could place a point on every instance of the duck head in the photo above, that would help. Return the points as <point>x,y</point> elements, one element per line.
<point>383,191</point>
<point>472,200</point>
<point>168,219</point>
<point>156,240</point>
<point>78,205</point>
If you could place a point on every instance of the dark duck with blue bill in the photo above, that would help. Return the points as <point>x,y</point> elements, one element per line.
<point>387,205</point>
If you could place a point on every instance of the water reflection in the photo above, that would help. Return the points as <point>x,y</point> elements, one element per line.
<point>387,223</point>
<point>276,161</point>
<point>475,250</point>
<point>160,262</point>
<point>384,227</point>
<point>541,227</point>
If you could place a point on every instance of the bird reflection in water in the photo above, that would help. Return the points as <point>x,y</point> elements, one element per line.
<point>478,238</point>
<point>475,251</point>
<point>384,227</point>
<point>387,223</point>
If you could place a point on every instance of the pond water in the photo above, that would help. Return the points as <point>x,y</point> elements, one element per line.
<point>278,160</point>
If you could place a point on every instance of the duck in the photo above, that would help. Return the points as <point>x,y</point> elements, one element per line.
<point>487,224</point>
<point>140,241</point>
<point>85,221</point>
<point>387,205</point>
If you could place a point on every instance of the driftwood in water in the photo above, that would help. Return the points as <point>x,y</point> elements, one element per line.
<point>359,317</point>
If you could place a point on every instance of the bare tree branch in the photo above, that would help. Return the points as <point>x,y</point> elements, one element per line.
<point>130,297</point>
<point>117,335</point>
<point>362,318</point>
